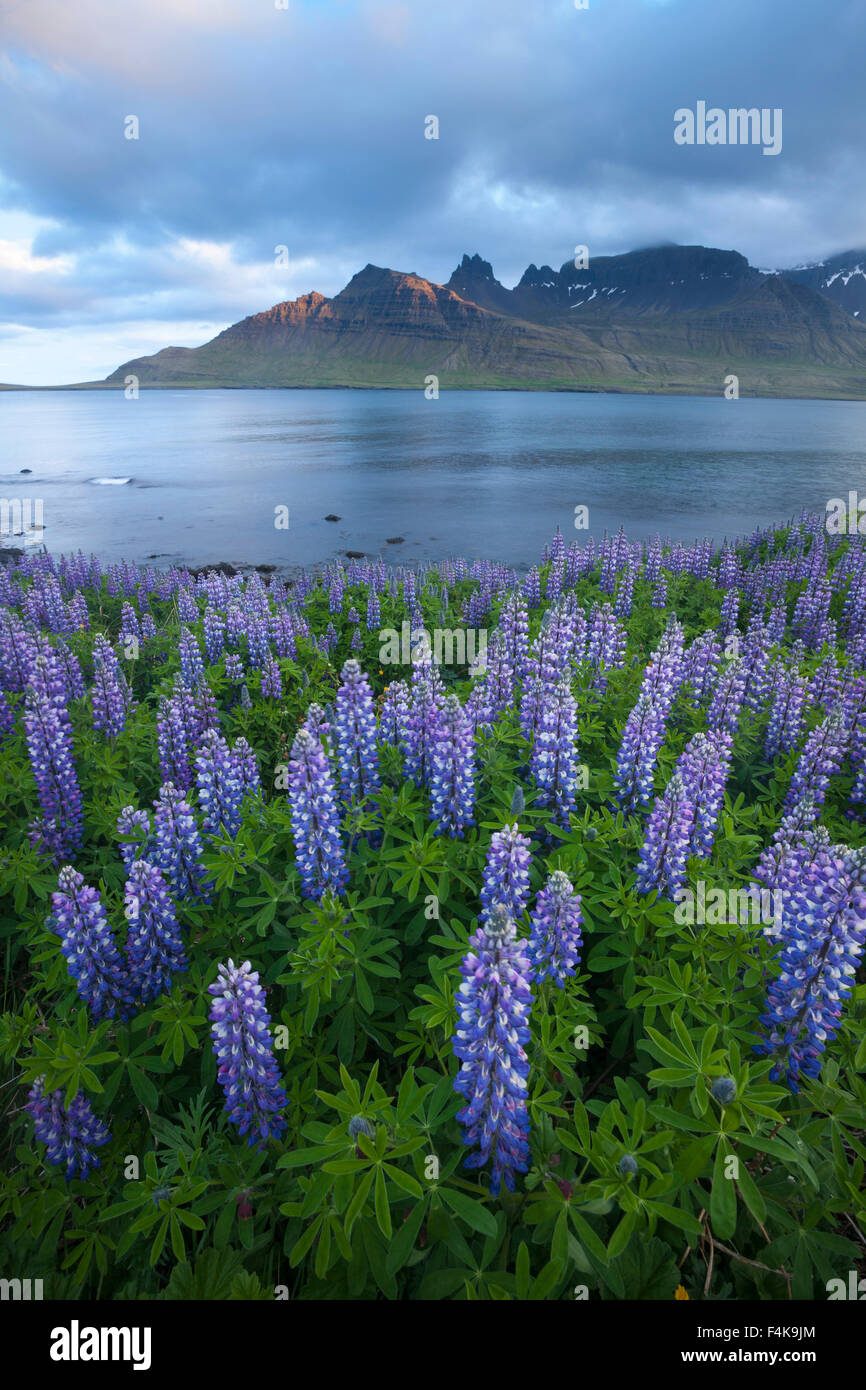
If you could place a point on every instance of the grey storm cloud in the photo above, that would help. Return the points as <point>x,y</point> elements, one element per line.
<point>304,127</point>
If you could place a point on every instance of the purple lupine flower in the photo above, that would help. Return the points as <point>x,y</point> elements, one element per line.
<point>624,594</point>
<point>71,667</point>
<point>532,588</point>
<point>452,771</point>
<point>514,629</point>
<point>493,1005</point>
<point>787,713</point>
<point>729,613</point>
<point>174,743</point>
<point>70,1135</point>
<point>315,821</point>
<point>820,760</point>
<point>506,873</point>
<point>220,785</point>
<point>129,624</point>
<point>112,698</point>
<point>134,827</point>
<point>86,940</point>
<point>355,734</point>
<point>726,704</point>
<point>424,707</point>
<point>373,610</point>
<point>186,606</point>
<point>757,665</point>
<point>794,844</point>
<point>642,738</point>
<point>271,680</point>
<point>234,667</point>
<point>553,763</point>
<point>248,768</point>
<point>15,644</point>
<point>822,937</point>
<point>664,853</point>
<point>154,947</point>
<point>605,643</point>
<point>48,735</point>
<point>666,669</point>
<point>495,677</point>
<point>660,592</point>
<point>214,634</point>
<point>394,714</point>
<point>701,665</point>
<point>246,1067</point>
<point>555,940</point>
<point>178,845</point>
<point>191,664</point>
<point>704,766</point>
<point>825,688</point>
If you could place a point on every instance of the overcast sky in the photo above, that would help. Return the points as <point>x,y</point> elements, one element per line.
<point>304,127</point>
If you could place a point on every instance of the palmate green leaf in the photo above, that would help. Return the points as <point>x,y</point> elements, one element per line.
<point>546,1281</point>
<point>359,1198</point>
<point>521,1271</point>
<point>443,1283</point>
<point>469,1210</point>
<point>684,1220</point>
<point>305,1241</point>
<point>694,1159</point>
<point>382,1209</point>
<point>302,1157</point>
<point>405,1238</point>
<point>750,1194</point>
<point>723,1198</point>
<point>621,1236</point>
<point>587,1236</point>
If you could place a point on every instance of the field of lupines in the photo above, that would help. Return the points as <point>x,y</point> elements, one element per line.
<point>326,977</point>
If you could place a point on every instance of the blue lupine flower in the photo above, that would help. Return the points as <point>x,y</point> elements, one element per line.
<point>704,765</point>
<point>642,738</point>
<point>134,827</point>
<point>493,1004</point>
<point>221,786</point>
<point>727,702</point>
<point>506,873</point>
<point>112,698</point>
<point>355,732</point>
<point>452,771</point>
<point>247,1069</point>
<point>315,821</point>
<point>178,845</point>
<point>665,850</point>
<point>154,947</point>
<point>174,743</point>
<point>70,1134</point>
<point>48,735</point>
<point>92,957</point>
<point>822,936</point>
<point>425,703</point>
<point>191,664</point>
<point>820,760</point>
<point>555,941</point>
<point>394,714</point>
<point>553,762</point>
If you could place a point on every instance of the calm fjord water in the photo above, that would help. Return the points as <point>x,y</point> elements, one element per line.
<point>474,473</point>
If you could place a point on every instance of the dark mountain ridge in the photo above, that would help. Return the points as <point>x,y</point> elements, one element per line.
<point>668,318</point>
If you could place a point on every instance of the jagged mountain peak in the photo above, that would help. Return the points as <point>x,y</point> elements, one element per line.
<point>474,265</point>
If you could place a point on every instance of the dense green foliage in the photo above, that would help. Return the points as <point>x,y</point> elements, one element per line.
<point>361,996</point>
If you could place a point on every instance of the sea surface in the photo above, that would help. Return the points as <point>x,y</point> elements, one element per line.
<point>202,476</point>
